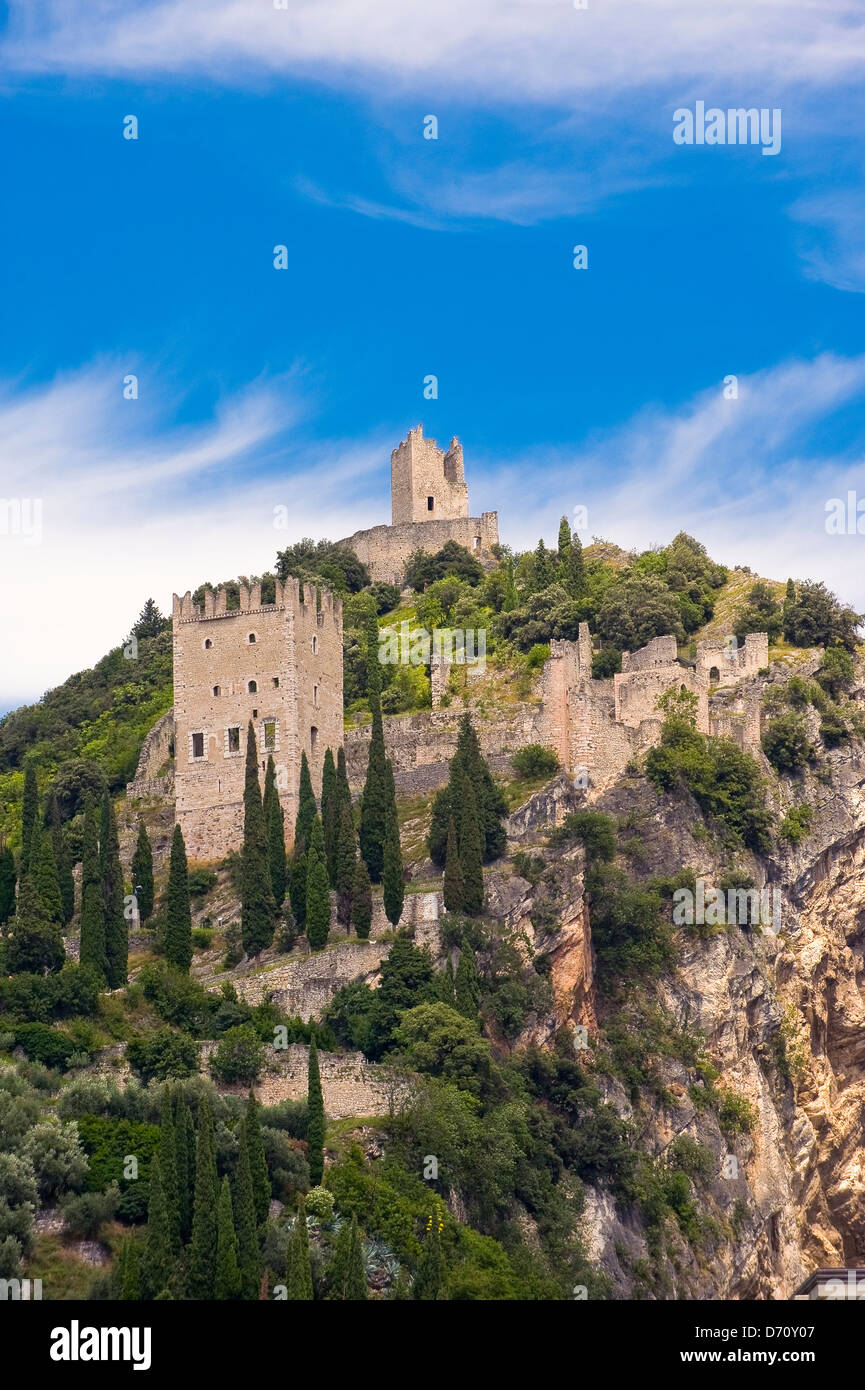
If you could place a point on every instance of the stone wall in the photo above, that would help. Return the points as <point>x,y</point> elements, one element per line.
<point>155,753</point>
<point>386,550</point>
<point>725,663</point>
<point>661,651</point>
<point>351,1086</point>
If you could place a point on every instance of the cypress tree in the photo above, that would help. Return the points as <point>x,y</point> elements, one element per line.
<point>454,888</point>
<point>445,986</point>
<point>297,888</point>
<point>92,947</point>
<point>178,913</point>
<point>564,546</point>
<point>226,1283</point>
<point>65,877</point>
<point>43,871</point>
<point>466,986</point>
<point>184,1151</point>
<point>299,1283</point>
<point>471,852</point>
<point>430,1273</point>
<point>29,812</point>
<point>361,901</point>
<point>202,1250</point>
<point>167,1150</point>
<point>315,1119</point>
<point>158,1251</point>
<point>274,818</point>
<point>111,873</point>
<point>343,790</point>
<point>346,865</point>
<point>330,814</point>
<point>392,876</point>
<point>576,578</point>
<point>142,874</point>
<point>346,1275</point>
<point>7,884</point>
<point>355,1284</point>
<point>257,905</point>
<point>374,803</point>
<point>306,805</point>
<point>492,807</point>
<point>317,890</point>
<point>130,1274</point>
<point>257,1161</point>
<point>245,1224</point>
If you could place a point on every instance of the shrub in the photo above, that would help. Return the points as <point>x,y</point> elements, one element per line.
<point>535,761</point>
<point>796,824</point>
<point>233,946</point>
<point>786,744</point>
<point>202,938</point>
<point>239,1056</point>
<point>52,1046</point>
<point>319,1203</point>
<point>165,1054</point>
<point>201,881</point>
<point>85,1213</point>
<point>595,830</point>
<point>606,662</point>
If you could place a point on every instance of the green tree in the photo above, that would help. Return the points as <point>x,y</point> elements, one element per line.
<point>142,874</point>
<point>374,803</point>
<point>178,914</point>
<point>330,813</point>
<point>29,812</point>
<point>245,1223</point>
<point>564,546</point>
<point>254,1144</point>
<point>167,1152</point>
<point>274,818</point>
<point>392,876</point>
<point>92,948</point>
<point>492,807</point>
<point>346,1275</point>
<point>315,1129</point>
<point>575,583</point>
<point>471,852</point>
<point>111,874</point>
<point>317,890</point>
<point>454,887</point>
<point>130,1274</point>
<point>7,884</point>
<point>257,905</point>
<point>307,809</point>
<point>361,901</point>
<point>467,988</point>
<point>158,1249</point>
<point>202,1250</point>
<point>62,859</point>
<point>184,1159</point>
<point>299,1281</point>
<point>45,876</point>
<point>34,944</point>
<point>227,1281</point>
<point>346,865</point>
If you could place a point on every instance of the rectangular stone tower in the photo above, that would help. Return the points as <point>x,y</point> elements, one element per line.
<point>278,665</point>
<point>427,484</point>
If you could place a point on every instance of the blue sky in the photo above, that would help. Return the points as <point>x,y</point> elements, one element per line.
<point>261,388</point>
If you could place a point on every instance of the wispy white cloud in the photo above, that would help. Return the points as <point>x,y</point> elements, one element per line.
<point>508,50</point>
<point>832,237</point>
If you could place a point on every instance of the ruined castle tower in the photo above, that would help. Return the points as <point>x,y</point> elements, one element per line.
<point>278,665</point>
<point>427,484</point>
<point>429,507</point>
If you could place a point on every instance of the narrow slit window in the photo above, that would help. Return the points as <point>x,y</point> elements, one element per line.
<point>313,738</point>
<point>429,504</point>
<point>276,682</point>
<point>216,691</point>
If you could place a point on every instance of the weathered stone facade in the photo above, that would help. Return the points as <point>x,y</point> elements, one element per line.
<point>278,665</point>
<point>725,663</point>
<point>429,506</point>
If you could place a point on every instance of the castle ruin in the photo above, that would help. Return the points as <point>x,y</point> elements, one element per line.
<point>278,665</point>
<point>429,506</point>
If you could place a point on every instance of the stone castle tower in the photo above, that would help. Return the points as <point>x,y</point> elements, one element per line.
<point>278,665</point>
<point>427,484</point>
<point>429,507</point>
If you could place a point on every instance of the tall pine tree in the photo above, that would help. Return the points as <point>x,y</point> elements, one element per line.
<point>62,858</point>
<point>202,1249</point>
<point>467,989</point>
<point>7,883</point>
<point>142,874</point>
<point>257,905</point>
<point>361,901</point>
<point>306,814</point>
<point>315,1118</point>
<point>251,1134</point>
<point>330,814</point>
<point>92,947</point>
<point>178,913</point>
<point>245,1224</point>
<point>317,890</point>
<point>44,874</point>
<point>184,1150</point>
<point>158,1250</point>
<point>471,852</point>
<point>111,873</point>
<point>576,579</point>
<point>564,547</point>
<point>299,1282</point>
<point>274,820</point>
<point>393,880</point>
<point>492,807</point>
<point>374,803</point>
<point>167,1151</point>
<point>454,888</point>
<point>226,1283</point>
<point>29,812</point>
<point>346,865</point>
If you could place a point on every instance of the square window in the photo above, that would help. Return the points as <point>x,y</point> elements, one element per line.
<point>429,504</point>
<point>276,682</point>
<point>198,745</point>
<point>234,739</point>
<point>270,733</point>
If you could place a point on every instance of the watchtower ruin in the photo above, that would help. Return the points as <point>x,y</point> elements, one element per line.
<point>278,665</point>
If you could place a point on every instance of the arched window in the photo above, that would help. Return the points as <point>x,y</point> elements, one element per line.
<point>714,675</point>
<point>207,644</point>
<point>313,738</point>
<point>253,687</point>
<point>252,637</point>
<point>216,691</point>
